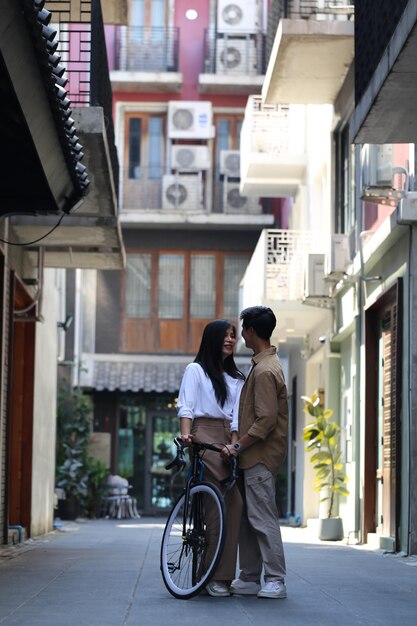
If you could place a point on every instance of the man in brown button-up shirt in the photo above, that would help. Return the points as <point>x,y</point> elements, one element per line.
<point>262,447</point>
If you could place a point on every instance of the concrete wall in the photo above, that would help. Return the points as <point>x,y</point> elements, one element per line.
<point>349,443</point>
<point>44,413</point>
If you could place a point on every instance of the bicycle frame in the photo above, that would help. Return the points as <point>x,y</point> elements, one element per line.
<point>199,501</point>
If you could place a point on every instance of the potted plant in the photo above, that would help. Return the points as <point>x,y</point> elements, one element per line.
<point>73,433</point>
<point>323,439</point>
<point>97,476</point>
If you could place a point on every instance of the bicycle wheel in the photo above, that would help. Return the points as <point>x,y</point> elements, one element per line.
<point>189,559</point>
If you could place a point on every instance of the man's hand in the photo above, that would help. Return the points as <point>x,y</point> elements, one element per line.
<point>186,440</point>
<point>227,451</point>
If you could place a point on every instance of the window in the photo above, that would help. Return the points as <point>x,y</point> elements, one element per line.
<point>138,285</point>
<point>170,296</point>
<point>227,135</point>
<point>147,13</point>
<point>344,179</point>
<point>203,286</point>
<point>145,146</point>
<point>234,268</point>
<point>155,148</point>
<point>171,286</point>
<point>135,133</point>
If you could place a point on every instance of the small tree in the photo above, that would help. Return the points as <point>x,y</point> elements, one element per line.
<point>97,476</point>
<point>73,433</point>
<point>324,436</point>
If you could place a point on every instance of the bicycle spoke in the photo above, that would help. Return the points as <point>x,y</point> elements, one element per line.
<point>188,560</point>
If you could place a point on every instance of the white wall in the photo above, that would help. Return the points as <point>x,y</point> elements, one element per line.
<point>44,409</point>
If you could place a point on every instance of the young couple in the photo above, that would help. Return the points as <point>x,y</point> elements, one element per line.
<point>250,417</point>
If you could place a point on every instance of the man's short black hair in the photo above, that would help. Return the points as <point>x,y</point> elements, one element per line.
<point>261,319</point>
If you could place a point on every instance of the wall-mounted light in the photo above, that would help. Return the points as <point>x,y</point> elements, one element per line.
<point>65,325</point>
<point>191,14</point>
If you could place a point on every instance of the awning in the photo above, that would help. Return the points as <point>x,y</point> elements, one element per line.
<point>147,373</point>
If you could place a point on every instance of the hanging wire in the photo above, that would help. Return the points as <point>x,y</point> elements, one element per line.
<point>30,243</point>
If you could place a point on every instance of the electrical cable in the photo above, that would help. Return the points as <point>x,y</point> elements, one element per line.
<point>30,243</point>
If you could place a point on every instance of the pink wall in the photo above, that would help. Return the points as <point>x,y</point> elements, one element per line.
<point>110,35</point>
<point>191,44</point>
<point>191,55</point>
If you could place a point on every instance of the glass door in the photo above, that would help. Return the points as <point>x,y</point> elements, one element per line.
<point>163,486</point>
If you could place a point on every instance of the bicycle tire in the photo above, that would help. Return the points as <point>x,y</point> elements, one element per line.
<point>186,566</point>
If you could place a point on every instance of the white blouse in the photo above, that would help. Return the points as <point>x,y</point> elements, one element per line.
<point>197,397</point>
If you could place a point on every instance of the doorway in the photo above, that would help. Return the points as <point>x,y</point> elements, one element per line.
<point>147,426</point>
<point>20,409</point>
<point>162,486</point>
<point>382,419</point>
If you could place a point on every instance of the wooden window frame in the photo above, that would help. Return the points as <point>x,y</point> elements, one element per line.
<point>178,336</point>
<point>144,143</point>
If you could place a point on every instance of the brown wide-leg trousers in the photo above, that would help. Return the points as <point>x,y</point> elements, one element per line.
<point>217,431</point>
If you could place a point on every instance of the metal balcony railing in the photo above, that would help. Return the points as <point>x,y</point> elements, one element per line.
<point>82,49</point>
<point>141,189</point>
<point>319,9</point>
<point>149,189</point>
<point>234,54</point>
<point>146,49</point>
<point>277,268</point>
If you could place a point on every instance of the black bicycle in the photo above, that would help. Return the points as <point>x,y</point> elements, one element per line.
<point>194,535</point>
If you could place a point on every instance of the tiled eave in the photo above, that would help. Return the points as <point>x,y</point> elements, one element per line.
<point>32,128</point>
<point>138,373</point>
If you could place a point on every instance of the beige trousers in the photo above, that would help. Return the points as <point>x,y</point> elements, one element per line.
<point>260,542</point>
<point>217,431</point>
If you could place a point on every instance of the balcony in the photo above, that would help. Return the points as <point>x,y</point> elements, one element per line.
<point>275,277</point>
<point>144,59</point>
<point>312,52</point>
<point>273,158</point>
<point>91,236</point>
<point>190,199</point>
<point>233,63</point>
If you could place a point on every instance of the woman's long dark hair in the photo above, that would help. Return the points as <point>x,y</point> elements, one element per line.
<point>210,357</point>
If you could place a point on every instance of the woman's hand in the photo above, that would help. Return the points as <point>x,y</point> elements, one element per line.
<point>186,440</point>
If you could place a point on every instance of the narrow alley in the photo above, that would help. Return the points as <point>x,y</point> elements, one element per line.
<point>106,573</point>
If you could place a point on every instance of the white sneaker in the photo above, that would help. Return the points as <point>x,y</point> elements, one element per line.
<point>273,589</point>
<point>217,589</point>
<point>244,587</point>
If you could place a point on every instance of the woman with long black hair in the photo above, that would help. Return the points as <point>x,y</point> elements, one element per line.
<point>209,391</point>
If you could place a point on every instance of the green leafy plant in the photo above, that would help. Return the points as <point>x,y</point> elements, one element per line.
<point>323,439</point>
<point>97,476</point>
<point>73,433</point>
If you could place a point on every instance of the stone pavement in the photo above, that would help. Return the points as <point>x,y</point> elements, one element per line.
<point>106,573</point>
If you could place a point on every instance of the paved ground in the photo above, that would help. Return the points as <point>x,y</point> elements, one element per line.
<point>106,573</point>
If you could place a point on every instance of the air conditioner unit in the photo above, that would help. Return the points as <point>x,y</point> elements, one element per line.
<point>339,256</point>
<point>230,163</point>
<point>190,120</point>
<point>380,165</point>
<point>236,56</point>
<point>181,193</point>
<point>234,203</point>
<point>314,284</point>
<point>238,16</point>
<point>185,157</point>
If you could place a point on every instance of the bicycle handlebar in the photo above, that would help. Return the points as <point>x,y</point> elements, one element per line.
<point>179,461</point>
